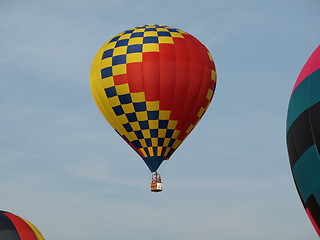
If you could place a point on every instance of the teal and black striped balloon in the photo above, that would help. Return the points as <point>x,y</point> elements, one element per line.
<point>303,137</point>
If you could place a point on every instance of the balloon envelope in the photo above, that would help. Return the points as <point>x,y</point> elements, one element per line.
<point>13,227</point>
<point>153,83</point>
<point>303,136</point>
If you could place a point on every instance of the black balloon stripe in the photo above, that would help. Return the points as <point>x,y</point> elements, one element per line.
<point>303,133</point>
<point>314,209</point>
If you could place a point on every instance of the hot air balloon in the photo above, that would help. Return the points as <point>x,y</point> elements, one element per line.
<point>303,137</point>
<point>13,227</point>
<point>153,83</point>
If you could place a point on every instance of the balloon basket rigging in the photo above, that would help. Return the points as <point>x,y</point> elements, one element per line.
<point>156,184</point>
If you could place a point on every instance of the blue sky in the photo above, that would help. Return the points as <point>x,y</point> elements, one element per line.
<point>67,171</point>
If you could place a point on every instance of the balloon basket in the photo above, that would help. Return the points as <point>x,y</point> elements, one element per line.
<point>156,184</point>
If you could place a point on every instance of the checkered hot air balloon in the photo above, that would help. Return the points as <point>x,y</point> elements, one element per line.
<point>153,83</point>
<point>13,227</point>
<point>303,137</point>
